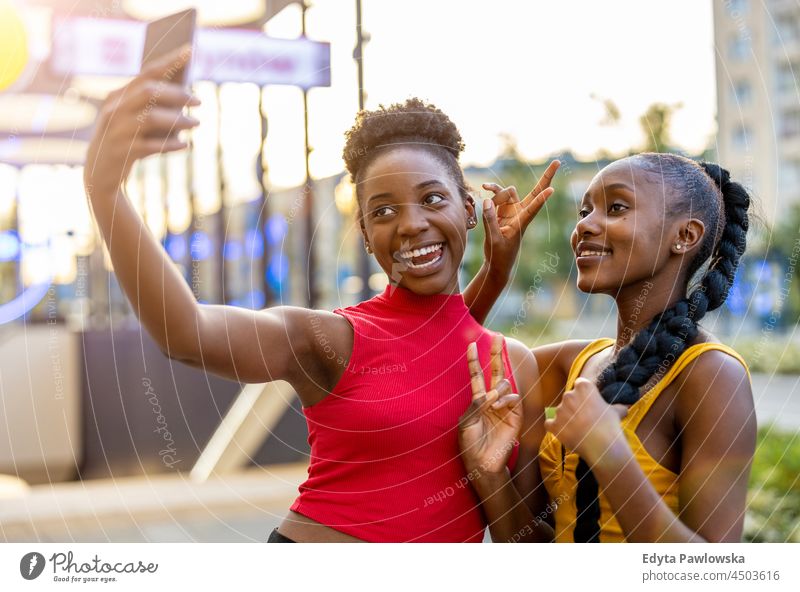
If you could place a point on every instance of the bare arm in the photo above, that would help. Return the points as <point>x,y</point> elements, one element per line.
<point>716,419</point>
<point>248,346</point>
<point>554,361</point>
<point>717,422</point>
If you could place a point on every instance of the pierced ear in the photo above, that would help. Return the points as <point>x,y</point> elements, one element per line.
<point>690,235</point>
<point>364,233</point>
<point>472,217</point>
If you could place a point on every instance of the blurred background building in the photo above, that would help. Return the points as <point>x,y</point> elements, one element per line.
<point>758,112</point>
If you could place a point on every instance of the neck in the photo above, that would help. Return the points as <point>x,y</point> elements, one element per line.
<point>639,303</point>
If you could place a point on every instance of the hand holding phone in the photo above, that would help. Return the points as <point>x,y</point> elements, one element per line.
<point>166,35</point>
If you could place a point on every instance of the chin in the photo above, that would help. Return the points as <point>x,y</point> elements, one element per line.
<point>593,285</point>
<point>427,286</point>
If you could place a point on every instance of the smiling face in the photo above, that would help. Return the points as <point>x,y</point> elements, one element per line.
<point>626,234</point>
<point>415,219</point>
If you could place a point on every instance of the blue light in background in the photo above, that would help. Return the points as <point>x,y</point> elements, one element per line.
<point>176,246</point>
<point>736,301</point>
<point>233,250</point>
<point>256,299</point>
<point>254,244</point>
<point>9,246</point>
<point>277,271</point>
<point>275,229</point>
<point>201,246</point>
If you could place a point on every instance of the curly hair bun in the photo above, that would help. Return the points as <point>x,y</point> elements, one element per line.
<point>411,122</point>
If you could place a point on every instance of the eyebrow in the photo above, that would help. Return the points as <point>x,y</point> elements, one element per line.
<point>422,185</point>
<point>611,187</point>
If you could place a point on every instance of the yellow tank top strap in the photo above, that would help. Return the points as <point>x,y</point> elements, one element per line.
<point>577,365</point>
<point>642,406</point>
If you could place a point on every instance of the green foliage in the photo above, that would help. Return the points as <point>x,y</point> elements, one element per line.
<point>770,353</point>
<point>773,511</point>
<point>655,125</point>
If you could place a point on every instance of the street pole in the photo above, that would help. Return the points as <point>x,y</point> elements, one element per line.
<point>358,56</point>
<point>308,199</point>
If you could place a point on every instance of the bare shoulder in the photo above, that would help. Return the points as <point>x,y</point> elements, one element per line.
<point>715,386</point>
<point>559,355</point>
<point>525,369</point>
<point>324,332</point>
<point>520,356</point>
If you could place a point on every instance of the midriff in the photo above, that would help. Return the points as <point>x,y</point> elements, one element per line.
<point>303,529</point>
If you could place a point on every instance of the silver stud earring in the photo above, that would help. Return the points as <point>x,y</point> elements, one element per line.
<point>471,222</point>
<point>678,247</point>
<point>369,249</point>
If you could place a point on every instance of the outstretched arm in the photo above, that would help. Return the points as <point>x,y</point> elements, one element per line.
<point>139,120</point>
<point>505,219</point>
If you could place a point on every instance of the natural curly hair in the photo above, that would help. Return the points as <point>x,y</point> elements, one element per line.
<point>412,123</point>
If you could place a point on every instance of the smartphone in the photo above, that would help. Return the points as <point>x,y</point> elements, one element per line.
<point>168,34</point>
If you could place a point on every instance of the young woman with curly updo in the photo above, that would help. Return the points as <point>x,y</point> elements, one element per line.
<point>654,431</point>
<point>382,383</point>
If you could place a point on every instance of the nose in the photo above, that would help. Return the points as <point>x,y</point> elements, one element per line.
<point>589,225</point>
<point>412,220</point>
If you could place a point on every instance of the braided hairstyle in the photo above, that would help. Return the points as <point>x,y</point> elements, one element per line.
<point>412,123</point>
<point>705,191</point>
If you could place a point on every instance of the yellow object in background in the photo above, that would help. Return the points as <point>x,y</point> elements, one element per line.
<point>13,45</point>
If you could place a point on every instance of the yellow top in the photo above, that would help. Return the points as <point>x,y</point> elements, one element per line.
<point>558,473</point>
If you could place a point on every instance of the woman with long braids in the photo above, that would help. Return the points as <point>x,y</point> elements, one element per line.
<point>654,431</point>
<point>382,383</point>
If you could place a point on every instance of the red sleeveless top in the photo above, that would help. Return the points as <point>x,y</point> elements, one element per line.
<point>385,463</point>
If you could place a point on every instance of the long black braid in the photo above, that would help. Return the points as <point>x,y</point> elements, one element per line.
<point>707,192</point>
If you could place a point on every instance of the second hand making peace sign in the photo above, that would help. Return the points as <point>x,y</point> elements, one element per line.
<point>489,427</point>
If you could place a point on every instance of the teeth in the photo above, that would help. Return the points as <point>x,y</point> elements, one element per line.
<point>423,265</point>
<point>593,253</point>
<point>420,252</point>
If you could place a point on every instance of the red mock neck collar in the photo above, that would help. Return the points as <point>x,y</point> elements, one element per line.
<point>403,298</point>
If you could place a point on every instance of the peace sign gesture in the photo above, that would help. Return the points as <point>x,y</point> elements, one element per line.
<point>489,427</point>
<point>506,217</point>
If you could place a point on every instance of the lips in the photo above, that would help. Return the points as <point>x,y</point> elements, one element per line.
<point>422,256</point>
<point>588,251</point>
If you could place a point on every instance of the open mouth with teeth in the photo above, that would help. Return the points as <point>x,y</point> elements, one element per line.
<point>589,252</point>
<point>423,257</point>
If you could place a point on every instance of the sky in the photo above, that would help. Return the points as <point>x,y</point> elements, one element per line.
<point>525,68</point>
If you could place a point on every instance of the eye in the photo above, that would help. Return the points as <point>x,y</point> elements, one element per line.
<point>617,208</point>
<point>583,212</point>
<point>433,198</point>
<point>382,212</point>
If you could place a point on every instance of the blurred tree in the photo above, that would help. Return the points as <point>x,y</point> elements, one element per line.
<point>655,125</point>
<point>783,244</point>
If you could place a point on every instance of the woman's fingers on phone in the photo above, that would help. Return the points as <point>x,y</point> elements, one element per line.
<point>475,372</point>
<point>169,65</point>
<point>149,93</point>
<point>161,120</point>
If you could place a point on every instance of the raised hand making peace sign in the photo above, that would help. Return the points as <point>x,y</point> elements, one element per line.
<point>489,428</point>
<point>506,217</point>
